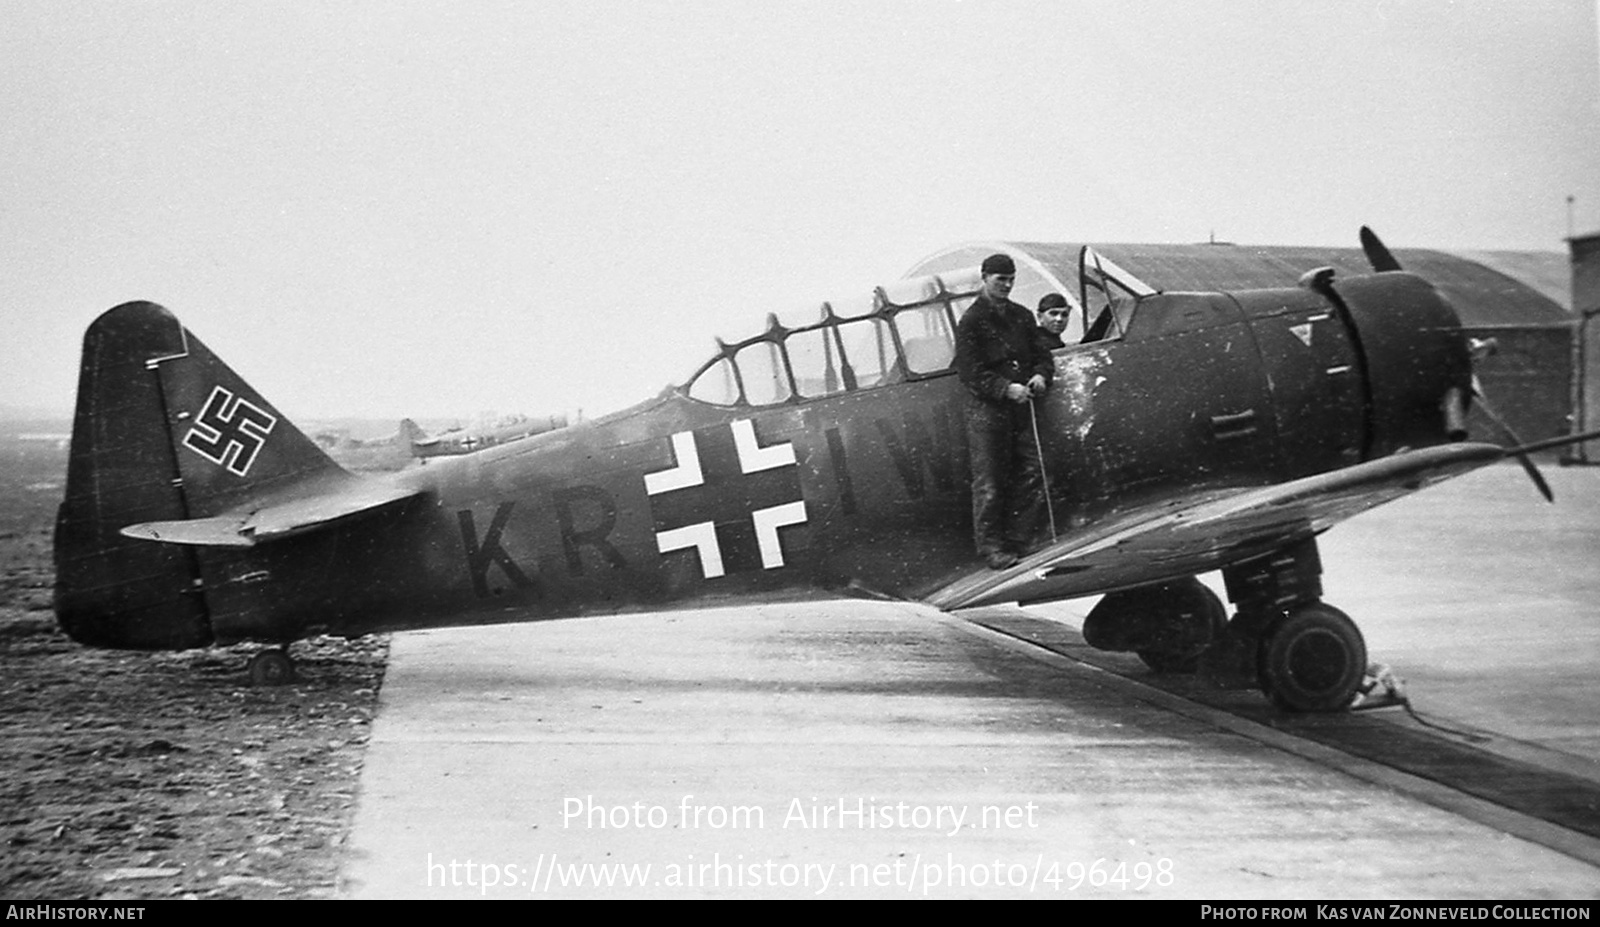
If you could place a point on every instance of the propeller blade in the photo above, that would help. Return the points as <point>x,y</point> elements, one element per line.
<point>1377,254</point>
<point>1516,449</point>
<point>1561,441</point>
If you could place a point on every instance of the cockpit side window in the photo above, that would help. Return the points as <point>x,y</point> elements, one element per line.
<point>763,373</point>
<point>818,363</point>
<point>1109,295</point>
<point>870,351</point>
<point>928,336</point>
<point>716,384</point>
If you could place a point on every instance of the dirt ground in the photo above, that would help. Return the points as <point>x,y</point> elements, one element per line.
<point>151,776</point>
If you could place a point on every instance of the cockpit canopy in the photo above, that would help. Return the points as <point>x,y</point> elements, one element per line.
<point>902,332</point>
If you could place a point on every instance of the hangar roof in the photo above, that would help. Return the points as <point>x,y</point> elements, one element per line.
<point>1487,287</point>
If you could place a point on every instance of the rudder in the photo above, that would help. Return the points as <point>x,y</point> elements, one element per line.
<point>163,431</point>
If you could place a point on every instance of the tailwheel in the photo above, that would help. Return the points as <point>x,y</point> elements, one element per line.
<point>271,668</point>
<point>1198,618</point>
<point>1312,659</point>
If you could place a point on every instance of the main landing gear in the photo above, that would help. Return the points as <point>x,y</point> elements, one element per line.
<point>1304,654</point>
<point>271,668</point>
<point>1312,659</point>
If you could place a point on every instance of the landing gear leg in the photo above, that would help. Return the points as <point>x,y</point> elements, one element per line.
<point>271,668</point>
<point>1303,654</point>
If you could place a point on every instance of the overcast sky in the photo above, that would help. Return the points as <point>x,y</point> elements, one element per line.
<point>437,209</point>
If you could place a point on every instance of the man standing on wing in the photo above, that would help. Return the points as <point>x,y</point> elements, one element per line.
<point>1004,366</point>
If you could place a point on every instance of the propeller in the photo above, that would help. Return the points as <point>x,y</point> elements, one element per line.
<point>1516,443</point>
<point>1378,255</point>
<point>1382,259</point>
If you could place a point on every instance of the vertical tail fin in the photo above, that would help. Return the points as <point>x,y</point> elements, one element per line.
<point>163,431</point>
<point>410,434</point>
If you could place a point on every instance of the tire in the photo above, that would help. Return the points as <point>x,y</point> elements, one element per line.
<point>271,668</point>
<point>1193,597</point>
<point>1312,659</point>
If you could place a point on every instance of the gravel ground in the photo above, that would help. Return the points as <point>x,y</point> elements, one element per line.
<point>149,776</point>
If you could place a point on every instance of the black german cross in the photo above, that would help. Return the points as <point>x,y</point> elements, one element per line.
<point>726,497</point>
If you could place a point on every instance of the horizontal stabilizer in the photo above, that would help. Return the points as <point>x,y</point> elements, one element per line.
<point>274,521</point>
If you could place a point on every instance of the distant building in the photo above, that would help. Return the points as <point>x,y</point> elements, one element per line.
<point>1585,259</point>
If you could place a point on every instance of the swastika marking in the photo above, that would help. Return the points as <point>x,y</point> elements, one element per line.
<point>726,496</point>
<point>230,431</point>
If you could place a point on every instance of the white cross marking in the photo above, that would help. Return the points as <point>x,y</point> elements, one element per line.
<point>767,522</point>
<point>702,536</point>
<point>754,458</point>
<point>685,474</point>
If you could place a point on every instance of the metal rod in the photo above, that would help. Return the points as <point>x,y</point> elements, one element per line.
<point>1044,477</point>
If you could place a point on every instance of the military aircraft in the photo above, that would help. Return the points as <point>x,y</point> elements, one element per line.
<point>819,458</point>
<point>468,440</point>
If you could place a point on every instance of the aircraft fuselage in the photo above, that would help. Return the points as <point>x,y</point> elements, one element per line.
<point>677,502</point>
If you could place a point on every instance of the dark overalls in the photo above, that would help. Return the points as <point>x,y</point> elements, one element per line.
<point>997,344</point>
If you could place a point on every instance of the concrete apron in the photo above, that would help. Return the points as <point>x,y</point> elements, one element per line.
<point>861,750</point>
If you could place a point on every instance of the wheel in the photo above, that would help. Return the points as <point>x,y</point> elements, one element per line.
<point>271,668</point>
<point>1198,619</point>
<point>1312,659</point>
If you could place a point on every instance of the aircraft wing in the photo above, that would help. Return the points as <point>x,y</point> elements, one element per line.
<point>1209,532</point>
<point>249,526</point>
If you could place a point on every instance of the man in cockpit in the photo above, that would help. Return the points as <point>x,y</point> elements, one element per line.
<point>1004,366</point>
<point>1053,315</point>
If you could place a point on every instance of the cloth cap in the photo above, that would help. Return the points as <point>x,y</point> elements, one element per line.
<point>1052,301</point>
<point>999,264</point>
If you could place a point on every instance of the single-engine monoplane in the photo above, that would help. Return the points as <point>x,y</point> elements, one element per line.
<point>474,438</point>
<point>822,458</point>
